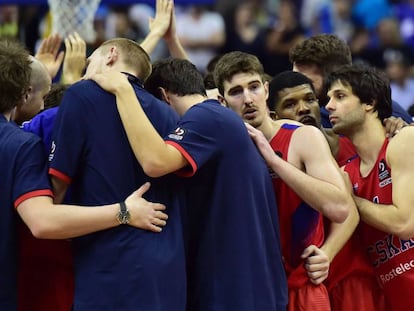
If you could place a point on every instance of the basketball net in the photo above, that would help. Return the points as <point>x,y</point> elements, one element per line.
<point>69,16</point>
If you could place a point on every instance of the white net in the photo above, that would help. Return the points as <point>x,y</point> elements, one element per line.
<point>69,16</point>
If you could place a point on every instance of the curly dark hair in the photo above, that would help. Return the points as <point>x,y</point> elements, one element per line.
<point>55,95</point>
<point>325,50</point>
<point>15,73</point>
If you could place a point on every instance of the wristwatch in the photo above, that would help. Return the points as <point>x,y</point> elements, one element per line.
<point>123,214</point>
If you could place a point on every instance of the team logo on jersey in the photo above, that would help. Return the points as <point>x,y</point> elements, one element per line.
<point>355,187</point>
<point>178,134</point>
<point>384,175</point>
<point>52,151</point>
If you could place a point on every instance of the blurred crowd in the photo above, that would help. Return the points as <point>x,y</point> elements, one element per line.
<point>379,32</point>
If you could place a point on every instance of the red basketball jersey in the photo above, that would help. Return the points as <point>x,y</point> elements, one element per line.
<point>300,224</point>
<point>391,257</point>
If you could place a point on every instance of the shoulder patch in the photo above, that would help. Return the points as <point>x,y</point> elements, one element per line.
<point>178,134</point>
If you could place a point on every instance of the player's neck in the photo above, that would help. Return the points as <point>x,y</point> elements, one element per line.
<point>8,114</point>
<point>269,128</point>
<point>368,140</point>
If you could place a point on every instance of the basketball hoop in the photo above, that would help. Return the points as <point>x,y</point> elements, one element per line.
<point>69,16</point>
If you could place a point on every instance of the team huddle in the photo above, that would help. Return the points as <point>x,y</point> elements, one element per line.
<point>246,201</point>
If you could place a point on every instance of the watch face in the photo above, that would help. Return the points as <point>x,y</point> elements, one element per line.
<point>123,217</point>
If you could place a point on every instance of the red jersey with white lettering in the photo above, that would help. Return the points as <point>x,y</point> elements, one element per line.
<point>391,257</point>
<point>300,224</point>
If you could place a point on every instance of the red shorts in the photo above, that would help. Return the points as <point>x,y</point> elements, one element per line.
<point>357,292</point>
<point>309,297</point>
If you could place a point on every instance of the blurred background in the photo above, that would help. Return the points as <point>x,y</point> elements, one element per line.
<point>379,32</point>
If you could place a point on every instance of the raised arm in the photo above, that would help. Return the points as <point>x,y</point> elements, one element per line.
<point>155,156</point>
<point>49,221</point>
<point>396,218</point>
<point>163,26</point>
<point>158,26</point>
<point>173,42</point>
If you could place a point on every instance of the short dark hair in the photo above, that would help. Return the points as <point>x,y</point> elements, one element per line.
<point>233,63</point>
<point>283,80</point>
<point>15,73</point>
<point>368,83</point>
<point>55,95</point>
<point>327,51</point>
<point>178,76</point>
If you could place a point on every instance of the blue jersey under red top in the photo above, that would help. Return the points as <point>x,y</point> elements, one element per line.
<point>300,224</point>
<point>23,171</point>
<point>391,257</point>
<point>234,259</point>
<point>122,268</point>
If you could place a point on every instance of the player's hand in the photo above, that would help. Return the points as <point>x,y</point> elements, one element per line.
<point>261,143</point>
<point>49,54</point>
<point>316,264</point>
<point>111,81</point>
<point>162,20</point>
<point>393,125</point>
<point>75,58</point>
<point>145,215</point>
<point>171,32</point>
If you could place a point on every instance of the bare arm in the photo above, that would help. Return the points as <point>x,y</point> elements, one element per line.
<point>163,26</point>
<point>396,218</point>
<point>50,221</point>
<point>155,156</point>
<point>173,42</point>
<point>338,235</point>
<point>322,186</point>
<point>158,26</point>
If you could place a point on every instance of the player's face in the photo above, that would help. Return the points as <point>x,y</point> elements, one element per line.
<point>314,73</point>
<point>246,94</point>
<point>35,101</point>
<point>299,103</point>
<point>39,94</point>
<point>346,112</point>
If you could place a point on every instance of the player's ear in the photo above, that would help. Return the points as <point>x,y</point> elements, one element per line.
<point>112,55</point>
<point>164,95</point>
<point>266,88</point>
<point>222,101</point>
<point>370,106</point>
